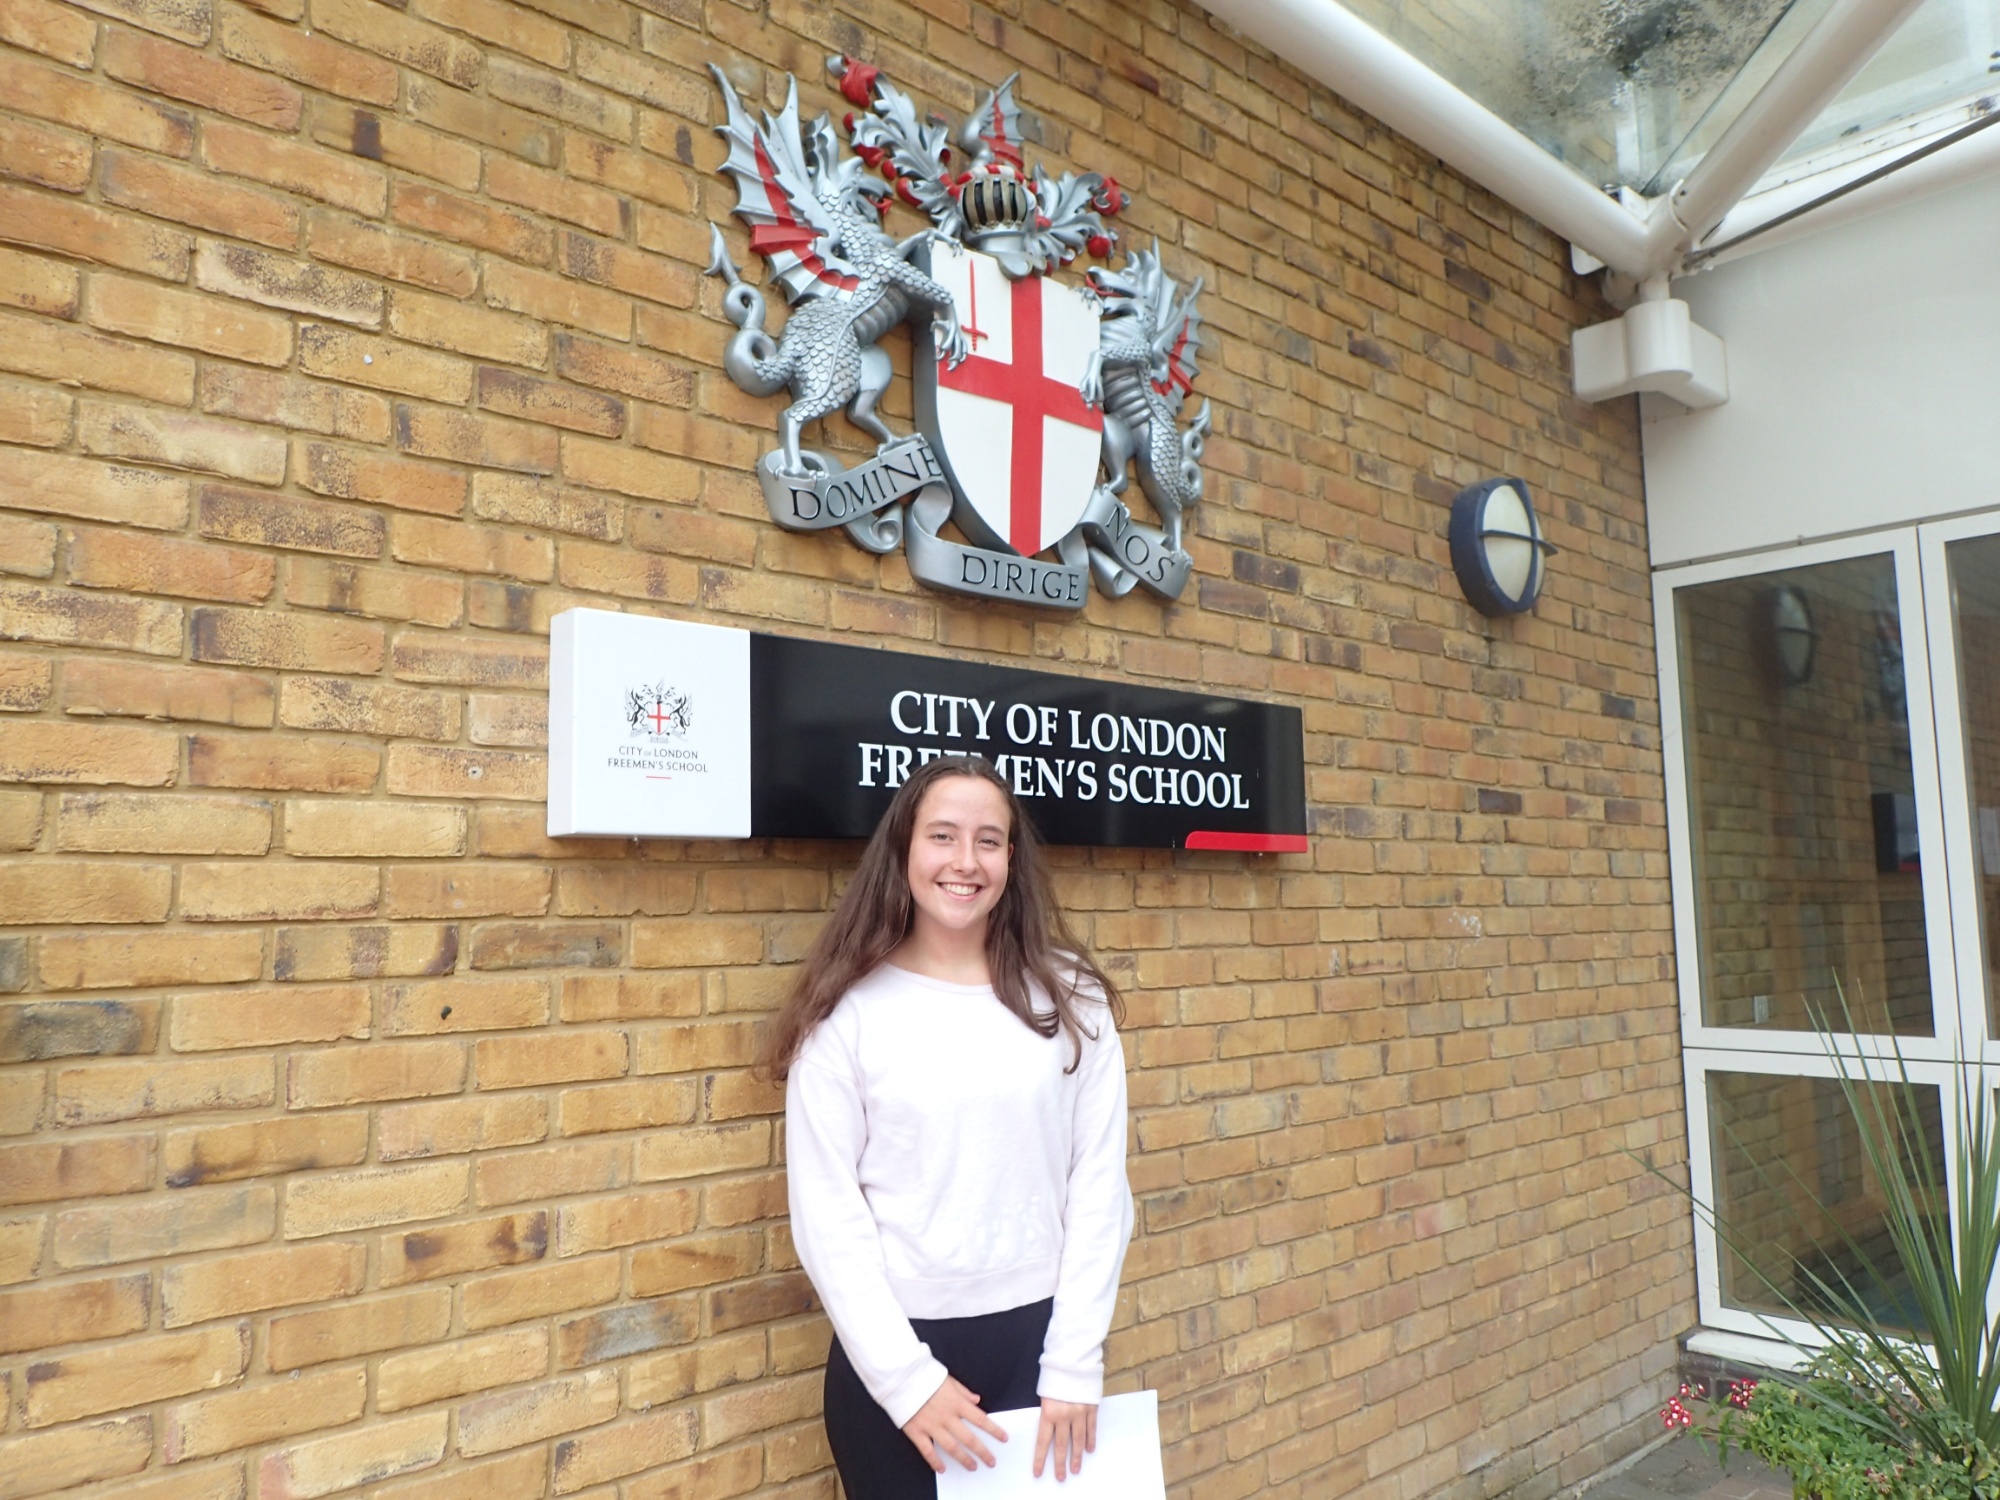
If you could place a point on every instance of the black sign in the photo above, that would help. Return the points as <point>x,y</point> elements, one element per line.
<point>834,730</point>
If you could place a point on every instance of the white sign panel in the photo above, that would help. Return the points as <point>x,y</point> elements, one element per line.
<point>649,727</point>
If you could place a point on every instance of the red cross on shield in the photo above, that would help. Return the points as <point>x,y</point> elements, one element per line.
<point>1021,444</point>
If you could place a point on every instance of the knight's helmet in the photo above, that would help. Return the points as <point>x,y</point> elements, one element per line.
<point>996,200</point>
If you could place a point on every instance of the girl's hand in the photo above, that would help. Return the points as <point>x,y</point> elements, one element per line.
<point>944,1424</point>
<point>1070,1428</point>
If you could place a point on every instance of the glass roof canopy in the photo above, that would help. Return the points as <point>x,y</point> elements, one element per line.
<point>1631,92</point>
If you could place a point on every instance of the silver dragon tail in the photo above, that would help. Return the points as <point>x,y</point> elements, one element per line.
<point>752,359</point>
<point>1193,439</point>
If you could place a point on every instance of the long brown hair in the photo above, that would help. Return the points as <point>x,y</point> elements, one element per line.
<point>1029,945</point>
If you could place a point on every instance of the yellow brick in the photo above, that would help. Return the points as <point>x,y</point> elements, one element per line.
<point>515,1296</point>
<point>518,1062</point>
<point>360,475</point>
<point>20,1249</point>
<point>443,323</point>
<point>295,642</point>
<point>518,1476</point>
<point>381,593</point>
<point>263,1148</point>
<point>253,892</point>
<point>551,1172</point>
<point>60,352</point>
<point>452,1126</point>
<point>436,658</point>
<point>223,1481</point>
<point>368,708</point>
<point>366,1075</point>
<point>257,1282</point>
<point>457,1369</point>
<point>267,1017</point>
<point>50,1462</point>
<point>614,1452</point>
<point>286,401</point>
<point>46,1318</point>
<point>60,617</point>
<point>39,285</point>
<point>139,823</point>
<point>611,466</point>
<point>164,315</point>
<point>135,1372</point>
<point>139,960</point>
<point>49,1172</point>
<point>704,1149</point>
<point>465,891</point>
<point>697,942</point>
<point>627,1106</point>
<point>492,719</point>
<point>351,830</point>
<point>53,30</point>
<point>151,1228</point>
<point>27,547</point>
<point>608,1223</point>
<point>630,997</point>
<point>376,251</point>
<point>20,819</point>
<point>379,1450</point>
<point>263,1414</point>
<point>103,1092</point>
<point>476,1245</point>
<point>703,1261</point>
<point>72,891</point>
<point>25,682</point>
<point>508,1420</point>
<point>443,1005</point>
<point>282,765</point>
<point>304,953</point>
<point>266,520</point>
<point>365,1326</point>
<point>159,565</point>
<point>148,690</point>
<point>340,1202</point>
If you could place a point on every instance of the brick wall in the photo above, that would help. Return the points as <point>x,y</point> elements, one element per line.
<point>359,1138</point>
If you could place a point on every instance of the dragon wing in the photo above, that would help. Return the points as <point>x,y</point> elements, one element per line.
<point>1176,338</point>
<point>774,195</point>
<point>994,128</point>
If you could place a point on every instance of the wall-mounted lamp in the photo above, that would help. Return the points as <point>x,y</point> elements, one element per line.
<point>1497,547</point>
<point>1794,639</point>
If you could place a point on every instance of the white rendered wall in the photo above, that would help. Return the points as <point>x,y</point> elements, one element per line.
<point>1864,385</point>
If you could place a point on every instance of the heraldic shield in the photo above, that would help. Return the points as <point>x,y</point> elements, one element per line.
<point>1033,398</point>
<point>1009,423</point>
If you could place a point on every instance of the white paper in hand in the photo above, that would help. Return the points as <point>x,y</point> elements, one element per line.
<point>1126,1465</point>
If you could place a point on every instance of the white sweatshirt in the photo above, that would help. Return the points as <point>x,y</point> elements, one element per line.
<point>943,1165</point>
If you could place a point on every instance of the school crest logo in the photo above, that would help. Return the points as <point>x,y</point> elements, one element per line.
<point>658,712</point>
<point>1035,398</point>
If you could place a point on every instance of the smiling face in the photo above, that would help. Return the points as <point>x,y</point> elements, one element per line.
<point>959,853</point>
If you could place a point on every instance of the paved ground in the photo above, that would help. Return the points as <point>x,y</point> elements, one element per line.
<point>1686,1469</point>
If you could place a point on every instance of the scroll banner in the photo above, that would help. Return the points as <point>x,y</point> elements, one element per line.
<point>840,497</point>
<point>1142,551</point>
<point>671,729</point>
<point>985,573</point>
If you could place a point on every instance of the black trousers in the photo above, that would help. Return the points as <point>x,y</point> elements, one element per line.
<point>996,1356</point>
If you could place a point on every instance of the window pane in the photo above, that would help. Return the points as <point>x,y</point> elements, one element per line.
<point>1795,1193</point>
<point>1808,872</point>
<point>1975,609</point>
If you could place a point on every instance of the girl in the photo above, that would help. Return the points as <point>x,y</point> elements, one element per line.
<point>955,1126</point>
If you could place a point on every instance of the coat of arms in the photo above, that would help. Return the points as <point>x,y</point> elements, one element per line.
<point>1034,398</point>
<point>659,712</point>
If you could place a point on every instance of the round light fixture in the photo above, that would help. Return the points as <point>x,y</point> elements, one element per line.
<point>1794,639</point>
<point>1497,547</point>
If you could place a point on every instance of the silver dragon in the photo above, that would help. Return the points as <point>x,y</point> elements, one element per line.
<point>817,220</point>
<point>1141,375</point>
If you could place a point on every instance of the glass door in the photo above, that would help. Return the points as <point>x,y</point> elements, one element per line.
<point>1831,724</point>
<point>1961,565</point>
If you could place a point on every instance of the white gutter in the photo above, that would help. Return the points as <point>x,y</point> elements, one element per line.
<point>1331,44</point>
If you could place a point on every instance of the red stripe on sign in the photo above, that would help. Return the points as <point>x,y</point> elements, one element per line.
<point>1249,843</point>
